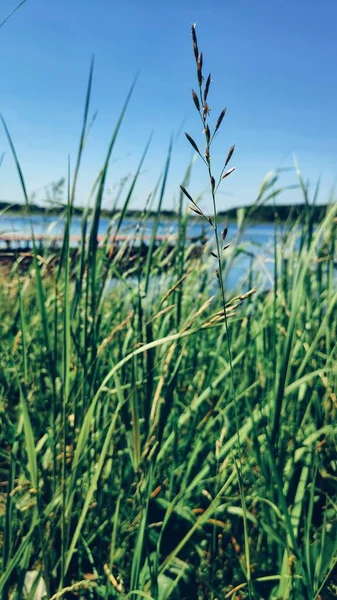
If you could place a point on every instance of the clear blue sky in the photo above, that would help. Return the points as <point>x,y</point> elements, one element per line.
<point>273,65</point>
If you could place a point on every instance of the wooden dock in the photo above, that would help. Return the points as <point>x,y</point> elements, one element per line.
<point>128,248</point>
<point>19,241</point>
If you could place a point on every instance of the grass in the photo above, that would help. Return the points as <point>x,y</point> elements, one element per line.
<point>161,440</point>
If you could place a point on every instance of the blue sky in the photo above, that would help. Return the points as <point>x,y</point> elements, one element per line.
<point>272,64</point>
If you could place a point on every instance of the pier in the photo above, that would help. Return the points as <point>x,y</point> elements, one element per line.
<point>23,242</point>
<point>14,246</point>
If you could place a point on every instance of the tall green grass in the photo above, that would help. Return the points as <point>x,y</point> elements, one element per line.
<point>119,428</point>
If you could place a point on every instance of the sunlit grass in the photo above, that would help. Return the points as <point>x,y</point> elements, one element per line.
<point>121,436</point>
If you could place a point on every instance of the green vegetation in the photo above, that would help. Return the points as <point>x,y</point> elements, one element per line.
<point>153,445</point>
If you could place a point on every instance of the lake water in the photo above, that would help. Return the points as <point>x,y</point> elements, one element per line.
<point>50,225</point>
<point>258,238</point>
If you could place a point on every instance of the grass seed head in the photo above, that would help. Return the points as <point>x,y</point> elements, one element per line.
<point>196,210</point>
<point>195,43</point>
<point>230,154</point>
<point>207,134</point>
<point>184,191</point>
<point>199,68</point>
<point>192,142</point>
<point>228,172</point>
<point>196,100</point>
<point>208,83</point>
<point>206,110</point>
<point>221,116</point>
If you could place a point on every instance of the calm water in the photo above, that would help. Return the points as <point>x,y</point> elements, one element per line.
<point>51,225</point>
<point>259,238</point>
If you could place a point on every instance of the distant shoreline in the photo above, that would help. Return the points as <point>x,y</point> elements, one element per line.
<point>261,214</point>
